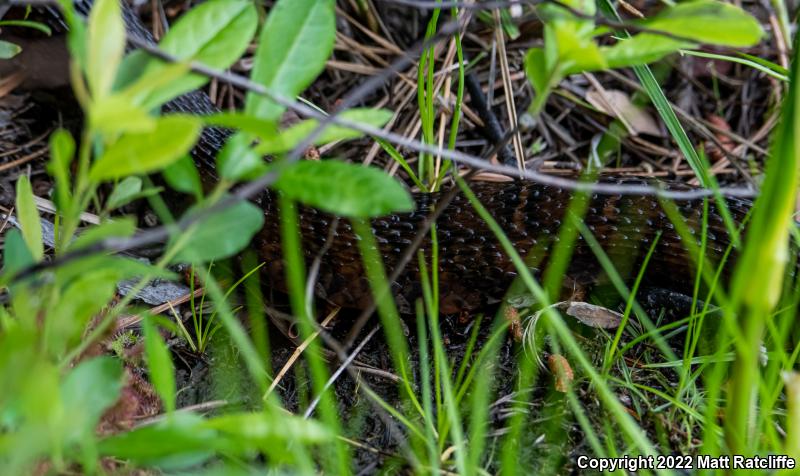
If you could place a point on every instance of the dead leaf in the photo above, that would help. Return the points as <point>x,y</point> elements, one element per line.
<point>617,104</point>
<point>593,315</point>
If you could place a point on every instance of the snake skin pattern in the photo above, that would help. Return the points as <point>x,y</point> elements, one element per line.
<point>473,269</point>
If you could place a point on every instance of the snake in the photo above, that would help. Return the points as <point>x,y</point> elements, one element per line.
<point>634,232</point>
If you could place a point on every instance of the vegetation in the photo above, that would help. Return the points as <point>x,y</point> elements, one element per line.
<point>75,385</point>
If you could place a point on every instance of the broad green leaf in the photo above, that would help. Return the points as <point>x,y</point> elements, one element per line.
<point>708,21</point>
<point>29,218</point>
<point>116,114</point>
<point>643,48</point>
<point>16,254</point>
<point>238,160</point>
<point>124,192</point>
<point>119,227</point>
<point>87,392</point>
<point>344,189</point>
<point>294,135</point>
<point>182,175</point>
<point>8,50</point>
<point>162,372</point>
<point>146,91</point>
<point>176,442</point>
<point>214,33</point>
<point>139,153</point>
<point>220,234</point>
<point>106,46</point>
<point>62,150</point>
<point>295,42</point>
<point>577,50</point>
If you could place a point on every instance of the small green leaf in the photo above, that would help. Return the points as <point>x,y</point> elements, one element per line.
<point>87,392</point>
<point>106,45</point>
<point>8,50</point>
<point>162,371</point>
<point>542,77</point>
<point>172,137</point>
<point>294,135</point>
<point>220,234</point>
<point>244,122</point>
<point>35,25</point>
<point>295,42</point>
<point>182,175</point>
<point>577,50</point>
<point>76,36</point>
<point>29,218</point>
<point>80,301</point>
<point>708,21</point>
<point>237,160</point>
<point>641,49</point>
<point>214,33</point>
<point>344,189</point>
<point>119,227</point>
<point>123,268</point>
<point>62,150</point>
<point>124,192</point>
<point>16,255</point>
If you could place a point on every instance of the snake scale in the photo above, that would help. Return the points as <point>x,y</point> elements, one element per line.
<point>473,269</point>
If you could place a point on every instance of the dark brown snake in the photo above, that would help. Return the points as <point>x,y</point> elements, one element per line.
<point>473,269</point>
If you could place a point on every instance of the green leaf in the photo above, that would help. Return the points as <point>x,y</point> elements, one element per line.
<point>214,33</point>
<point>295,42</point>
<point>238,160</point>
<point>577,50</point>
<point>344,189</point>
<point>294,135</point>
<point>29,218</point>
<point>62,150</point>
<point>117,113</point>
<point>119,227</point>
<point>139,153</point>
<point>543,77</point>
<point>708,21</point>
<point>244,122</point>
<point>16,255</point>
<point>162,371</point>
<point>106,46</point>
<point>125,191</point>
<point>220,234</point>
<point>87,392</point>
<point>81,300</point>
<point>123,268</point>
<point>266,430</point>
<point>76,36</point>
<point>35,25</point>
<point>182,175</point>
<point>641,49</point>
<point>177,442</point>
<point>8,50</point>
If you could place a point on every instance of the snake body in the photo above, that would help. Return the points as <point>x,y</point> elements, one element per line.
<point>473,269</point>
